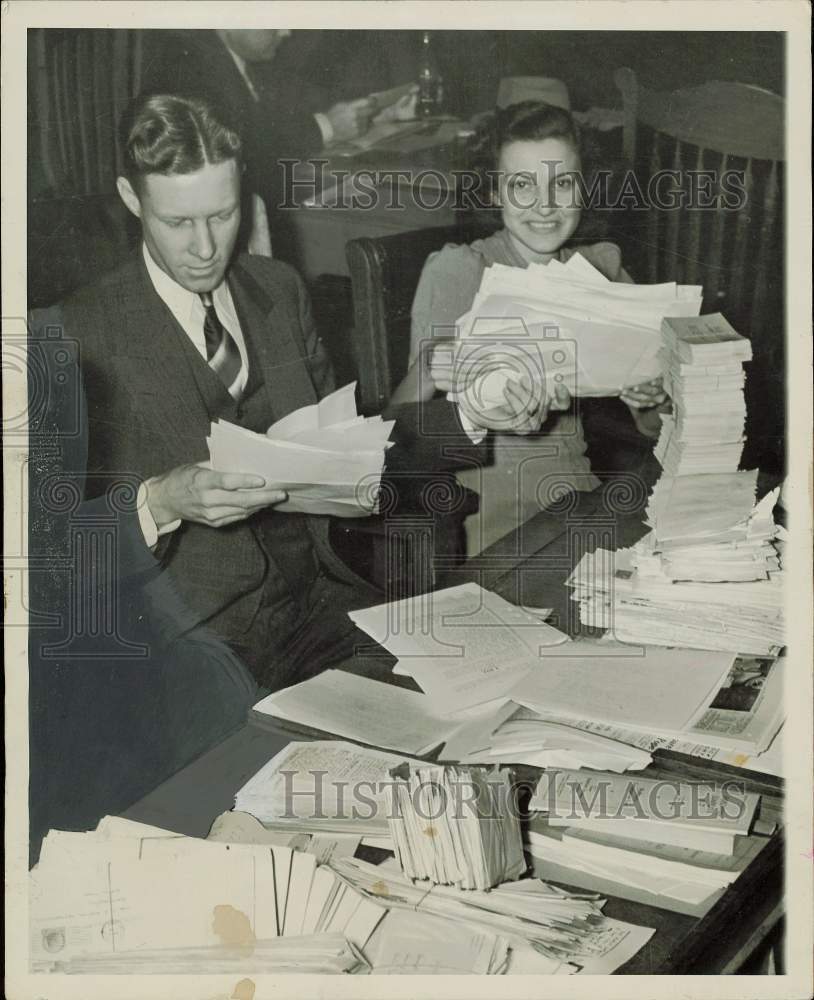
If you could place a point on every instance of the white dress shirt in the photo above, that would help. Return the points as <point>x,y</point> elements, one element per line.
<point>188,309</point>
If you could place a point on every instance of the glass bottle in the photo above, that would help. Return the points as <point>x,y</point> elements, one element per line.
<point>430,83</point>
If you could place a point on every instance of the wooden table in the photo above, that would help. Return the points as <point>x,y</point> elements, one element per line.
<point>529,566</point>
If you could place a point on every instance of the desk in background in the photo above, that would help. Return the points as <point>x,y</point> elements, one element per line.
<point>337,200</point>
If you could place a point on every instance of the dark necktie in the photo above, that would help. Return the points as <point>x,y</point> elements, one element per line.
<point>221,350</point>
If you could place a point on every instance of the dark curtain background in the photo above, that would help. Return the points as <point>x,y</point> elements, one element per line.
<point>81,79</point>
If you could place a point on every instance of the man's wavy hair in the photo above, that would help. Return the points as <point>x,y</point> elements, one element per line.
<point>169,134</point>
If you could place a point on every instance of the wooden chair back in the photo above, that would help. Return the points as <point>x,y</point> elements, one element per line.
<point>712,158</point>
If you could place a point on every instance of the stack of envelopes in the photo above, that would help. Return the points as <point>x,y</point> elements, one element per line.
<point>455,825</point>
<point>127,888</point>
<point>703,365</point>
<point>564,926</point>
<point>708,575</point>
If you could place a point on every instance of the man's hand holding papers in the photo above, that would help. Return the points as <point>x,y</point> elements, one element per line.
<point>326,458</point>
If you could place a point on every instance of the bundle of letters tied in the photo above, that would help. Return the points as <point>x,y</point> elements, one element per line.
<point>702,358</point>
<point>455,825</point>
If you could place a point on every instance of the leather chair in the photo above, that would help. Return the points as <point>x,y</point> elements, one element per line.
<point>401,550</point>
<point>734,245</point>
<point>384,276</point>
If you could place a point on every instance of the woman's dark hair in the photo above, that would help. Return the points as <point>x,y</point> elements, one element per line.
<point>529,121</point>
<point>169,134</point>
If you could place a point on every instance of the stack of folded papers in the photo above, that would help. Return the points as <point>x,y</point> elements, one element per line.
<point>127,888</point>
<point>568,928</point>
<point>703,364</point>
<point>663,812</point>
<point>564,324</point>
<point>708,528</point>
<point>455,825</point>
<point>327,458</point>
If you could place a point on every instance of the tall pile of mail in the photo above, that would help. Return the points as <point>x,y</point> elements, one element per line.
<point>455,825</point>
<point>702,361</point>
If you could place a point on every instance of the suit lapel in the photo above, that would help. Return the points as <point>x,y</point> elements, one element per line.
<point>154,353</point>
<point>274,343</point>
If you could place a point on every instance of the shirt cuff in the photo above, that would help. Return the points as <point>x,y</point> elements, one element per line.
<point>325,127</point>
<point>146,521</point>
<point>473,432</point>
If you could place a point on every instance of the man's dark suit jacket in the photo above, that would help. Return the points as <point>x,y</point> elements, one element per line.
<point>130,677</point>
<point>151,398</point>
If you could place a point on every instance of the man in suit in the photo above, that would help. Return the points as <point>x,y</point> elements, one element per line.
<point>185,333</point>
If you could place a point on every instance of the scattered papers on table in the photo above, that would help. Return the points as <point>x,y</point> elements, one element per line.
<point>325,456</point>
<point>361,709</point>
<point>565,927</point>
<point>315,954</point>
<point>125,887</point>
<point>564,324</point>
<point>455,825</point>
<point>464,646</point>
<point>663,689</point>
<point>416,944</point>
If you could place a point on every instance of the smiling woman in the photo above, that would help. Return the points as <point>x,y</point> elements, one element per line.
<point>530,160</point>
<point>538,195</point>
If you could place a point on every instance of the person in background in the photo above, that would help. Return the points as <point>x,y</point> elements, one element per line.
<point>276,114</point>
<point>532,154</point>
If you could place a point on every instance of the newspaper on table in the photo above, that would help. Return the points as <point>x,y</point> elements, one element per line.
<point>322,787</point>
<point>327,458</point>
<point>511,734</point>
<point>664,689</point>
<point>126,888</point>
<point>564,324</point>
